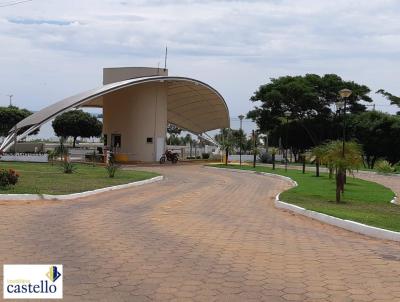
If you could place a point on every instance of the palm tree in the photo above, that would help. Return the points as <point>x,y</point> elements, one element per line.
<point>188,139</point>
<point>226,141</point>
<point>317,153</point>
<point>331,154</point>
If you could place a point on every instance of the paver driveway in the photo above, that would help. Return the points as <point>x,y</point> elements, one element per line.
<point>200,235</point>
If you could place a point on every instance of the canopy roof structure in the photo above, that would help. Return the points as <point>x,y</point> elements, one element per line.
<point>191,105</point>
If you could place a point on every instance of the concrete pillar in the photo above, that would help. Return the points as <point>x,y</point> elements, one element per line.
<point>139,115</point>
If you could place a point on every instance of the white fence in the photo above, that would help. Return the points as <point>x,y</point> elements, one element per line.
<point>245,158</point>
<point>25,157</point>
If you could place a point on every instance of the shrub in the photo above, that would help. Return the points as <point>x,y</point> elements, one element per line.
<point>68,167</point>
<point>111,169</point>
<point>396,167</point>
<point>265,158</point>
<point>383,166</point>
<point>198,157</point>
<point>205,155</point>
<point>8,177</point>
<point>53,155</point>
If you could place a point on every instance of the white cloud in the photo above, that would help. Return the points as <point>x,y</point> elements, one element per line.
<point>51,49</point>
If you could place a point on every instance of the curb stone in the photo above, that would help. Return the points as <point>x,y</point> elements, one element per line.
<point>338,222</point>
<point>27,197</point>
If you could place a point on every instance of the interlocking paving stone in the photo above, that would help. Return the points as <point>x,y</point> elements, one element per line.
<point>199,235</point>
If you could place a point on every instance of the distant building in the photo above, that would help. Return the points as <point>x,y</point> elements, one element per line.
<point>138,103</point>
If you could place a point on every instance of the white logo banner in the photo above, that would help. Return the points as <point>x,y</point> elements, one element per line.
<point>33,281</point>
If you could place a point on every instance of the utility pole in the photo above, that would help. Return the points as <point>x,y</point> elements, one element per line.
<point>166,57</point>
<point>241,117</point>
<point>254,149</point>
<point>10,96</point>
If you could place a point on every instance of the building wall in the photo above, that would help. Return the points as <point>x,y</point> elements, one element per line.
<point>112,75</point>
<point>137,113</point>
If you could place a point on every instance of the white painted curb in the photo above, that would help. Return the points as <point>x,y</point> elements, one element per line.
<point>25,197</point>
<point>294,183</point>
<point>338,222</point>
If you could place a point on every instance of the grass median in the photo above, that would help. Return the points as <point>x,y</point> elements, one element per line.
<point>363,201</point>
<point>37,178</point>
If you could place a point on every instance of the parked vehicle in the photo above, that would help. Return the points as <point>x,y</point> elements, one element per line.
<point>169,156</point>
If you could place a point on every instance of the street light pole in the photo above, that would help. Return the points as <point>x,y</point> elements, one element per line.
<point>287,114</point>
<point>10,96</point>
<point>254,149</point>
<point>340,179</point>
<point>344,127</point>
<point>241,117</point>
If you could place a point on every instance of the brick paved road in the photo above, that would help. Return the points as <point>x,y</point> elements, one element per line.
<point>200,235</point>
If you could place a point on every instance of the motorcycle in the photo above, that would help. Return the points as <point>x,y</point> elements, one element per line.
<point>169,156</point>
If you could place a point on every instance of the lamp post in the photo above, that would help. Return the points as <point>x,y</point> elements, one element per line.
<point>342,105</point>
<point>254,148</point>
<point>10,96</point>
<point>287,115</point>
<point>241,117</point>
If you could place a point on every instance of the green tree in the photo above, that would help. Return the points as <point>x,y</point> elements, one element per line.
<point>77,123</point>
<point>379,134</point>
<point>172,129</point>
<point>308,99</point>
<point>226,141</point>
<point>317,153</point>
<point>173,139</point>
<point>341,163</point>
<point>394,100</point>
<point>10,116</point>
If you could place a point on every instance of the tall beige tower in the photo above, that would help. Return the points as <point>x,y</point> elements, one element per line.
<point>135,119</point>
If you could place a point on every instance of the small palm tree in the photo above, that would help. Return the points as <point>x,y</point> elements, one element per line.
<point>317,154</point>
<point>331,154</point>
<point>53,155</point>
<point>226,141</point>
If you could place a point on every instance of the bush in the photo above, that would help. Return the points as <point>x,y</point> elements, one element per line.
<point>396,167</point>
<point>68,167</point>
<point>111,169</point>
<point>205,155</point>
<point>198,157</point>
<point>383,166</point>
<point>265,158</point>
<point>8,177</point>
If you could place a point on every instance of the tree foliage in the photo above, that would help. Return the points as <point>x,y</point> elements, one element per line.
<point>309,101</point>
<point>394,100</point>
<point>10,116</point>
<point>332,155</point>
<point>172,129</point>
<point>339,160</point>
<point>77,123</point>
<point>379,134</point>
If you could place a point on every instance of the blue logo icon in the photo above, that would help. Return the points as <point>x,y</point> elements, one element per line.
<point>53,274</point>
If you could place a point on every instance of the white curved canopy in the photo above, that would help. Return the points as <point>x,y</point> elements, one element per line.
<point>191,105</point>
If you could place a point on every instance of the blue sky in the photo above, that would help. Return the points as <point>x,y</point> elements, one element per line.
<point>53,49</point>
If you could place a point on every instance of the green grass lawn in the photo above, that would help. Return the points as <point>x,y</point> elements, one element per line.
<point>37,178</point>
<point>364,201</point>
